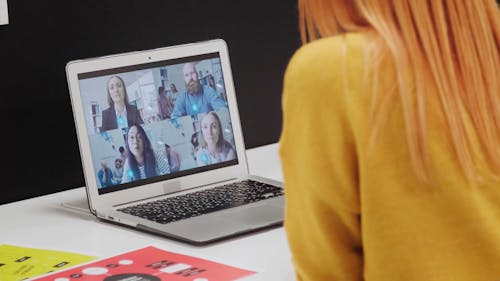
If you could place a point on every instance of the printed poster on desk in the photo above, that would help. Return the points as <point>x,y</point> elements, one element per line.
<point>149,264</point>
<point>20,263</point>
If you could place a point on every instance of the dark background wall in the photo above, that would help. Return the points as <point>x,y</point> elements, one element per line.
<point>40,150</point>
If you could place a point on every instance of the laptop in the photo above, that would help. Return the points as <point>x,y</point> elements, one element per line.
<point>162,148</point>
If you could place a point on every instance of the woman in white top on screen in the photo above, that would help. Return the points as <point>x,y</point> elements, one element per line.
<point>142,162</point>
<point>213,148</point>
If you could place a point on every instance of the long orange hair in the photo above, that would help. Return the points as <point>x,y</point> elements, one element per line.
<point>446,50</point>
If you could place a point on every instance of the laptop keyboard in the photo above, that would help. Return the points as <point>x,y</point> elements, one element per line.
<point>204,201</point>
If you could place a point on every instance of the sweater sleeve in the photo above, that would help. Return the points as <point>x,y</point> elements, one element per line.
<point>318,157</point>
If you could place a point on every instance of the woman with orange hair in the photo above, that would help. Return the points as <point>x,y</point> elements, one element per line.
<point>395,171</point>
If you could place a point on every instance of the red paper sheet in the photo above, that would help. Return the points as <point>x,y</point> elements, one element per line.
<point>149,264</point>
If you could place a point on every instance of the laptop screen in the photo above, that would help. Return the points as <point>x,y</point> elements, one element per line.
<point>157,121</point>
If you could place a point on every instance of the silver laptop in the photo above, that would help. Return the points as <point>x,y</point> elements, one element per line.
<point>161,144</point>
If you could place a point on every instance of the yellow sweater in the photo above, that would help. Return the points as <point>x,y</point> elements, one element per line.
<point>359,214</point>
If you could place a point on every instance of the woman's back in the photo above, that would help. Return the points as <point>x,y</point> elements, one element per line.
<point>355,207</point>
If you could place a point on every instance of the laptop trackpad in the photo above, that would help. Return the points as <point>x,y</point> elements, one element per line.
<point>253,215</point>
<point>227,222</point>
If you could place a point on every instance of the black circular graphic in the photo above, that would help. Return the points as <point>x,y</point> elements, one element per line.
<point>132,277</point>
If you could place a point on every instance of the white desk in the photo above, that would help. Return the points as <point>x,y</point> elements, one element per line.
<point>43,223</point>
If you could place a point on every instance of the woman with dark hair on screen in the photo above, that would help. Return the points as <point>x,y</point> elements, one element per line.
<point>120,113</point>
<point>142,162</point>
<point>213,147</point>
<point>390,145</point>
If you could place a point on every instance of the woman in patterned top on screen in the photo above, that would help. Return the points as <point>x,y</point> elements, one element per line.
<point>390,145</point>
<point>142,162</point>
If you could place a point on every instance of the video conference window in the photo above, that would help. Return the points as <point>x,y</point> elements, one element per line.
<point>157,121</point>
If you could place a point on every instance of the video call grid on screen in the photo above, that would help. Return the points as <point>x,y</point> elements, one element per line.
<point>183,135</point>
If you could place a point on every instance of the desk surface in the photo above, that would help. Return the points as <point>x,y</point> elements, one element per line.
<point>43,223</point>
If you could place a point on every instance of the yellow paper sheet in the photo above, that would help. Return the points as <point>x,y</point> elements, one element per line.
<point>20,263</point>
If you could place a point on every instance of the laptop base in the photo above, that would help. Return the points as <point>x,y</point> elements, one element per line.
<point>80,205</point>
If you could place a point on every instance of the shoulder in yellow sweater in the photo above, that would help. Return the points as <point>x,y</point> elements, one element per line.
<point>359,214</point>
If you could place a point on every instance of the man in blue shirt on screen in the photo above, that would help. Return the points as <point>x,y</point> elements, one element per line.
<point>105,175</point>
<point>197,98</point>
